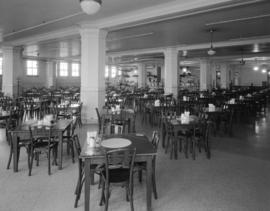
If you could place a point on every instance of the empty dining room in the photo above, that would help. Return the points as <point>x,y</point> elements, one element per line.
<point>135,105</point>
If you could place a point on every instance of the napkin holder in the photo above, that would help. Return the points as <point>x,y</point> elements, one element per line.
<point>157,103</point>
<point>211,107</point>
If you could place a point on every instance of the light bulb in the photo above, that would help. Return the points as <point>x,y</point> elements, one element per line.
<point>256,68</point>
<point>264,70</point>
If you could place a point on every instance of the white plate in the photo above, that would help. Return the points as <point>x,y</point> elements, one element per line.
<point>115,143</point>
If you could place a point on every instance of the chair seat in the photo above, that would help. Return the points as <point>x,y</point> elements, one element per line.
<point>117,175</point>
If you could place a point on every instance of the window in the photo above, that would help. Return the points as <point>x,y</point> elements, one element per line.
<point>1,65</point>
<point>31,68</point>
<point>113,71</point>
<point>75,70</point>
<point>63,69</point>
<point>106,71</point>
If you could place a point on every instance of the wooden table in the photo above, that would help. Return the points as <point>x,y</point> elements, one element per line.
<point>22,131</point>
<point>187,127</point>
<point>145,152</point>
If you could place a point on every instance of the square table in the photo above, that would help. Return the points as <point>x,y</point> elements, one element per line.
<point>96,155</point>
<point>23,131</point>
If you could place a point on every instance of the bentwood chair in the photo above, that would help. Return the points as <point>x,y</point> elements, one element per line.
<point>42,141</point>
<point>141,166</point>
<point>201,138</point>
<point>81,175</point>
<point>119,165</point>
<point>69,140</point>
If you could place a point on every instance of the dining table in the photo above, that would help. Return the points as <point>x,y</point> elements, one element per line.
<point>96,155</point>
<point>22,131</point>
<point>186,126</point>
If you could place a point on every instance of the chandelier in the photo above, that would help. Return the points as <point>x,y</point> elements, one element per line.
<point>90,7</point>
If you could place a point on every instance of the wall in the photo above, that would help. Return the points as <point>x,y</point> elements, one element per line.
<point>68,81</point>
<point>27,82</point>
<point>247,75</point>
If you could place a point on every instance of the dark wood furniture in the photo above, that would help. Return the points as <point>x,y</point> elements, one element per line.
<point>22,131</point>
<point>96,155</point>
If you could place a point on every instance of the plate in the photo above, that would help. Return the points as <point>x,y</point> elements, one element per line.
<point>139,134</point>
<point>115,143</point>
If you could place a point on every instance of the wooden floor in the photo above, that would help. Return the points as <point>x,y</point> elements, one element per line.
<point>237,178</point>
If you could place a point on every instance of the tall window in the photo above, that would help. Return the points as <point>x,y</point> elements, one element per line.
<point>1,65</point>
<point>75,72</point>
<point>63,69</point>
<point>31,68</point>
<point>106,71</point>
<point>113,71</point>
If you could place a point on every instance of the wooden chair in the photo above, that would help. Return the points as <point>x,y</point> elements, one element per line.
<point>41,141</point>
<point>201,138</point>
<point>69,140</point>
<point>141,166</point>
<point>99,121</point>
<point>119,164</point>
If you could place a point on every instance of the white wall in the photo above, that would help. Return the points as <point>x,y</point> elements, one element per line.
<point>247,75</point>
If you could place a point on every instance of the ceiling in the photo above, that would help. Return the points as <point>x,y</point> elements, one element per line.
<point>233,21</point>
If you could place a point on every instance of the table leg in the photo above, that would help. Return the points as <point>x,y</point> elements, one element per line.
<point>149,183</point>
<point>60,150</point>
<point>87,184</point>
<point>15,152</point>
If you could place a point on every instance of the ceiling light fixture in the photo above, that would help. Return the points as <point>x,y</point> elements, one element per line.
<point>211,51</point>
<point>264,70</point>
<point>256,67</point>
<point>90,7</point>
<point>242,62</point>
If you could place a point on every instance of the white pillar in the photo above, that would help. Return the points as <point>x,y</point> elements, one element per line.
<point>205,75</point>
<point>12,64</point>
<point>50,74</point>
<point>171,71</point>
<point>224,75</point>
<point>141,75</point>
<point>92,72</point>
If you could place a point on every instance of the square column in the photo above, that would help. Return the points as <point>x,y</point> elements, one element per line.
<point>205,75</point>
<point>171,71</point>
<point>141,75</point>
<point>12,64</point>
<point>50,74</point>
<point>93,45</point>
<point>224,76</point>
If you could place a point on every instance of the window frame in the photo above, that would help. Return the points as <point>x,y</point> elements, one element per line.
<point>78,69</point>
<point>1,66</point>
<point>32,68</point>
<point>60,70</point>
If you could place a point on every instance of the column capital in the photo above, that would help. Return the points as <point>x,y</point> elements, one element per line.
<point>7,48</point>
<point>86,31</point>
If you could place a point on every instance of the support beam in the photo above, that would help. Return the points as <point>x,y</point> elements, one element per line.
<point>92,72</point>
<point>205,75</point>
<point>12,65</point>
<point>171,71</point>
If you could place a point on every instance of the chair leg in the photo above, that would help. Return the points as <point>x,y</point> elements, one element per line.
<point>37,158</point>
<point>72,152</point>
<point>107,195</point>
<point>102,198</point>
<point>31,160</point>
<point>154,182</point>
<point>10,156</point>
<point>78,194</point>
<point>49,161</point>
